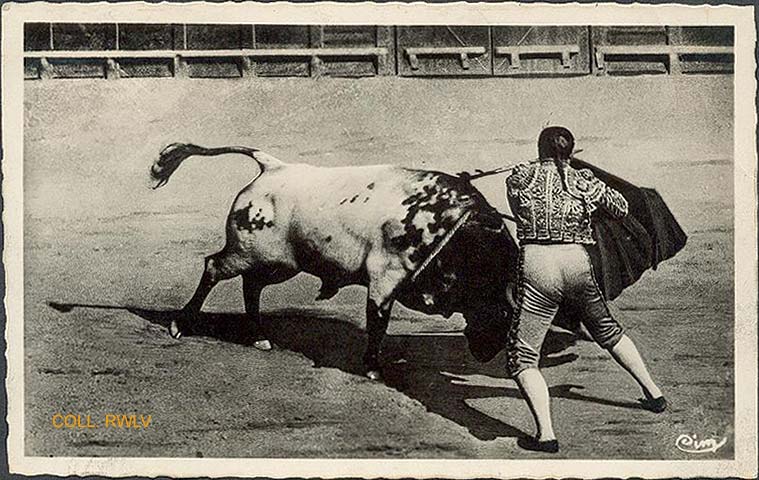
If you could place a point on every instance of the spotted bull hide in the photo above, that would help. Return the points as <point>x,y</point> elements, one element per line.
<point>371,226</point>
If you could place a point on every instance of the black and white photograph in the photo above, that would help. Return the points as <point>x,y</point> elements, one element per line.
<point>357,240</point>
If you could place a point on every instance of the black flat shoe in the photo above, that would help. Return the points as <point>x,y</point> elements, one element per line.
<point>531,443</point>
<point>656,405</point>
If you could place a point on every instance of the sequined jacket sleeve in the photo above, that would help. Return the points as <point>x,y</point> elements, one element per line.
<point>518,176</point>
<point>601,195</point>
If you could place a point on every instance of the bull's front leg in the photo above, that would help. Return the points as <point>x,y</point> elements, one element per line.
<point>386,273</point>
<point>377,319</point>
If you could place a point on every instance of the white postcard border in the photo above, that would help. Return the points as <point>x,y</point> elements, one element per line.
<point>745,462</point>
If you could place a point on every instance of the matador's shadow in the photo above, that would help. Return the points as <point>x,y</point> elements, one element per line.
<point>430,368</point>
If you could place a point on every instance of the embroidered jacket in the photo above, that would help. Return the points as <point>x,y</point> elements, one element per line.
<point>548,212</point>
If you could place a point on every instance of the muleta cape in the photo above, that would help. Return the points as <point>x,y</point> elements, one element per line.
<point>626,248</point>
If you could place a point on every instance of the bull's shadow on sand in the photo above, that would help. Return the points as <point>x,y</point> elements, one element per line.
<point>432,368</point>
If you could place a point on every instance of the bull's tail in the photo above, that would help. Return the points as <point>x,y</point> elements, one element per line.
<point>172,156</point>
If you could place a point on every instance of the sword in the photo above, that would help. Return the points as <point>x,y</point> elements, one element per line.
<point>480,174</point>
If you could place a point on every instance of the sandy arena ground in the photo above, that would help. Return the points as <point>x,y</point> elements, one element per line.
<point>96,236</point>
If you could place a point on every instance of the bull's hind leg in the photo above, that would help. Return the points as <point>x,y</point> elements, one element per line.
<point>253,282</point>
<point>219,266</point>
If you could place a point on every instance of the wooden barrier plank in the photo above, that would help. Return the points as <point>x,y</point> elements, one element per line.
<point>46,70</point>
<point>638,36</point>
<point>283,37</point>
<point>37,36</point>
<point>247,68</point>
<point>672,52</point>
<point>462,52</point>
<point>515,52</point>
<point>353,36</point>
<point>180,57</point>
<point>386,39</point>
<point>145,36</point>
<point>537,50</point>
<point>435,50</point>
<point>180,67</point>
<point>316,39</point>
<point>663,49</point>
<point>245,52</point>
<point>112,71</point>
<point>712,61</point>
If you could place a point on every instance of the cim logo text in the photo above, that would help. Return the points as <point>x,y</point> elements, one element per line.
<point>691,444</point>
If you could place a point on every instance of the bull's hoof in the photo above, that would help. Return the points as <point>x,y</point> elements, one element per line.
<point>264,345</point>
<point>374,375</point>
<point>180,327</point>
<point>175,330</point>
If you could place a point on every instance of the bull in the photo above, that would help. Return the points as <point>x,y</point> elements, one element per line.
<point>424,238</point>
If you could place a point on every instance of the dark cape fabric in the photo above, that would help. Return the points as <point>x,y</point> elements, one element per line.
<point>626,248</point>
